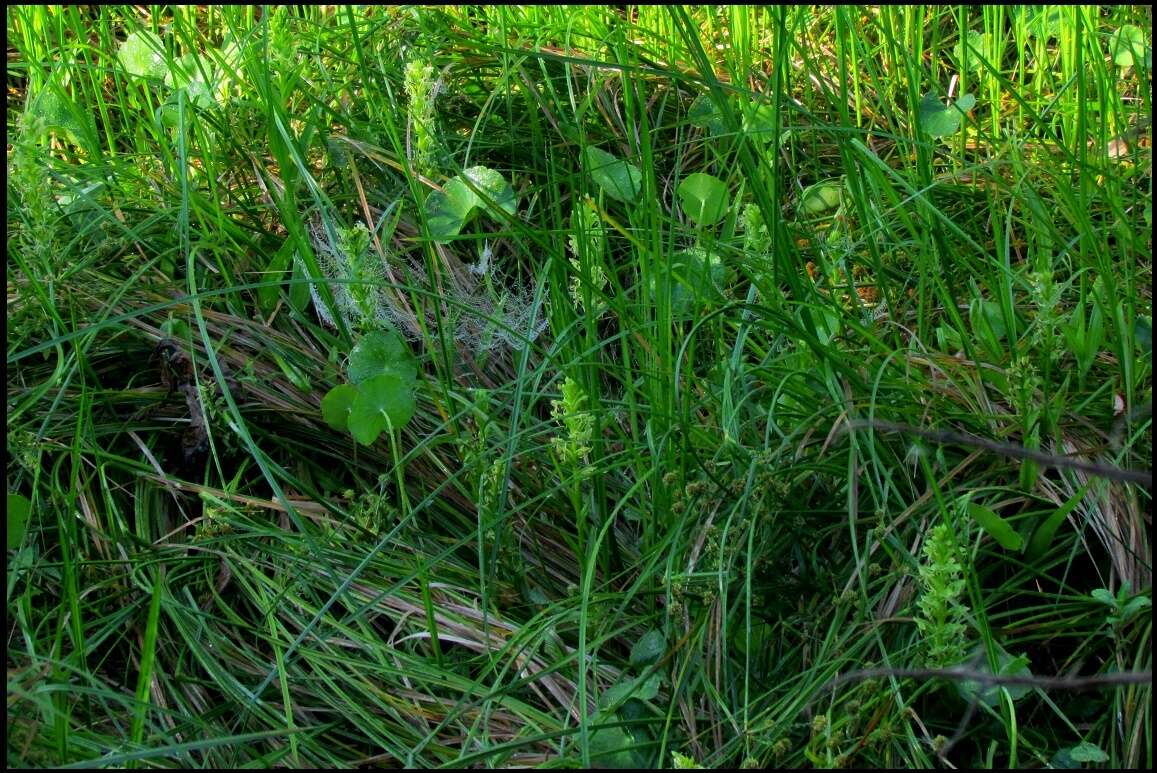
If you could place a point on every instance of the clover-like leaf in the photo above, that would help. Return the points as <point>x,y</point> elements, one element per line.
<point>385,400</point>
<point>335,406</point>
<point>617,178</point>
<point>143,55</point>
<point>705,198</point>
<point>494,185</point>
<point>381,352</point>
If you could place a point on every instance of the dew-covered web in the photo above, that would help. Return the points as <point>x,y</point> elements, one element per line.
<point>486,313</point>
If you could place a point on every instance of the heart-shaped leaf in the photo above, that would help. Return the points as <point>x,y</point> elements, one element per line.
<point>52,110</point>
<point>757,120</point>
<point>143,55</point>
<point>694,277</point>
<point>381,352</point>
<point>617,178</point>
<point>613,747</point>
<point>704,197</point>
<point>335,406</point>
<point>386,400</point>
<point>1088,752</point>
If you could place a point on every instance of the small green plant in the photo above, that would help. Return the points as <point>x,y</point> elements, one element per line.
<point>942,615</point>
<point>1123,607</point>
<point>571,449</point>
<point>421,134</point>
<point>380,393</point>
<point>587,242</point>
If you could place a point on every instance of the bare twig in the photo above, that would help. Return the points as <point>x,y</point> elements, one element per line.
<point>1141,477</point>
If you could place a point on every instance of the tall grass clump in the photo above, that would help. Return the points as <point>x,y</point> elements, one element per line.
<point>539,386</point>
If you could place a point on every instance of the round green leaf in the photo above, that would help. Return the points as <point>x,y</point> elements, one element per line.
<point>704,115</point>
<point>1127,46</point>
<point>1008,665</point>
<point>648,649</point>
<point>940,120</point>
<point>976,43</point>
<point>1088,752</point>
<point>704,197</point>
<point>382,352</point>
<point>382,401</point>
<point>617,178</point>
<point>335,406</point>
<point>494,186</point>
<point>449,209</point>
<point>143,55</point>
<point>819,198</point>
<point>613,747</point>
<point>757,119</point>
<point>18,510</point>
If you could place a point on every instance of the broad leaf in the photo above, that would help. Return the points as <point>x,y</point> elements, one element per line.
<point>1007,666</point>
<point>757,120</point>
<point>19,509</point>
<point>704,114</point>
<point>705,198</point>
<point>449,209</point>
<point>613,747</point>
<point>1127,47</point>
<point>819,198</point>
<point>1043,536</point>
<point>940,120</point>
<point>52,110</point>
<point>648,649</point>
<point>976,43</point>
<point>494,185</point>
<point>143,55</point>
<point>997,527</point>
<point>617,178</point>
<point>335,406</point>
<point>381,352</point>
<point>1088,752</point>
<point>694,278</point>
<point>383,401</point>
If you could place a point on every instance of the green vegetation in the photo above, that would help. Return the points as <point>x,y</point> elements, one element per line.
<point>546,386</point>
